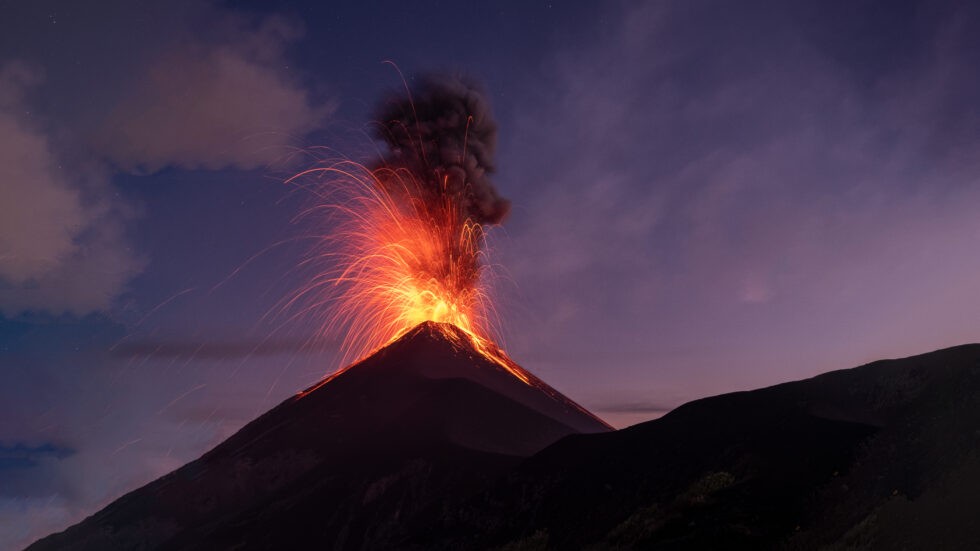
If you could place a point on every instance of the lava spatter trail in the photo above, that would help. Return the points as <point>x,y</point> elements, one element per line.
<point>402,240</point>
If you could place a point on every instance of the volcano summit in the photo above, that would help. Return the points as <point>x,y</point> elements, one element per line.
<point>344,465</point>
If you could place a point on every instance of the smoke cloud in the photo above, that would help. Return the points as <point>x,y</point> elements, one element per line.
<point>445,134</point>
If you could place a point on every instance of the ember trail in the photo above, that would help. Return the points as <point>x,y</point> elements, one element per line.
<point>404,237</point>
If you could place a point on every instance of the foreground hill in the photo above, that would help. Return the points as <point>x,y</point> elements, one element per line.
<point>883,456</point>
<point>427,446</point>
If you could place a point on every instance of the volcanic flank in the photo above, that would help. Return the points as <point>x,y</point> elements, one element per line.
<point>420,447</point>
<point>345,464</point>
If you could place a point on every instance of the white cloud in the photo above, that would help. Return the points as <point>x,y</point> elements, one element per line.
<point>22,519</point>
<point>61,248</point>
<point>212,106</point>
<point>227,101</point>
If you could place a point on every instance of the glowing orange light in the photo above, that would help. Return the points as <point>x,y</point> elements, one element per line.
<point>397,254</point>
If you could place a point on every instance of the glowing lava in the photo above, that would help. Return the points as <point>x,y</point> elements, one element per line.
<point>396,254</point>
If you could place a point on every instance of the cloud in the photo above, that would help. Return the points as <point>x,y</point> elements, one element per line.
<point>14,456</point>
<point>755,182</point>
<point>62,245</point>
<point>22,521</point>
<point>214,105</point>
<point>41,213</point>
<point>153,95</point>
<point>27,470</point>
<point>225,102</point>
<point>219,349</point>
<point>80,426</point>
<point>30,479</point>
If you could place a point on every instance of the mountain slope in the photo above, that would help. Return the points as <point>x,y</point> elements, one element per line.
<point>344,464</point>
<point>884,456</point>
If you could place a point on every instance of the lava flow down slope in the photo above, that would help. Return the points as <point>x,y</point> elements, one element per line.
<point>345,464</point>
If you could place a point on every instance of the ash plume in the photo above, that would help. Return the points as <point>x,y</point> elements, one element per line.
<point>445,135</point>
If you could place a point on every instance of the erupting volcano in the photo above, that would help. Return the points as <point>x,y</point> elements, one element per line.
<point>431,411</point>
<point>350,463</point>
<point>405,236</point>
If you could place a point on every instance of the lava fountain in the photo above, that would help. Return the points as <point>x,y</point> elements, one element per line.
<point>404,238</point>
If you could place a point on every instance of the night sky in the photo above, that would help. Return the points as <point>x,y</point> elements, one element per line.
<point>707,197</point>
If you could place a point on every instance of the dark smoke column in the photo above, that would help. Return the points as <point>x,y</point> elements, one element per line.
<point>445,135</point>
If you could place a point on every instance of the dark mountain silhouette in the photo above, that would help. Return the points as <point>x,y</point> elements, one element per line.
<point>883,456</point>
<point>343,465</point>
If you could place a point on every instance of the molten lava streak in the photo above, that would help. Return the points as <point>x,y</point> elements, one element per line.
<point>404,238</point>
<point>398,253</point>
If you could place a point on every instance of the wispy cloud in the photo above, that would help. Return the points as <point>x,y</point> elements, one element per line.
<point>220,349</point>
<point>62,240</point>
<point>224,101</point>
<point>214,102</point>
<point>750,178</point>
<point>25,456</point>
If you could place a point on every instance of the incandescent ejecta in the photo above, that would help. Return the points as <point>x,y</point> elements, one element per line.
<point>403,238</point>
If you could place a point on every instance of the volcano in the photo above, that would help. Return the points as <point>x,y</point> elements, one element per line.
<point>430,444</point>
<point>420,423</point>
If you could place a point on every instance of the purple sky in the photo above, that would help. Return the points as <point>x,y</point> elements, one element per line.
<point>707,197</point>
